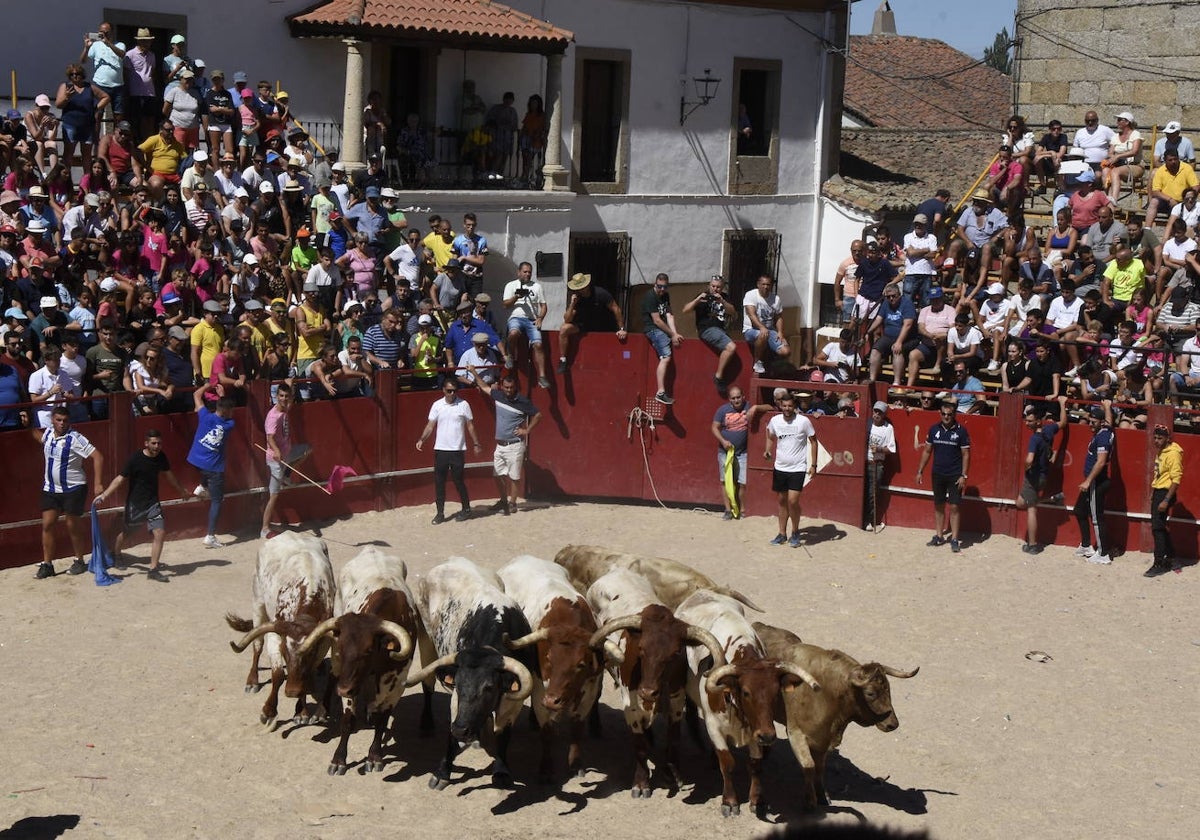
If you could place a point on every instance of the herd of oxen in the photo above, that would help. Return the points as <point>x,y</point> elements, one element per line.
<point>674,640</point>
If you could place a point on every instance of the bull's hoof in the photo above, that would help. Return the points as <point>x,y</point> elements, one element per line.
<point>579,772</point>
<point>671,776</point>
<point>502,780</point>
<point>728,810</point>
<point>437,783</point>
<point>252,688</point>
<point>265,718</point>
<point>376,766</point>
<point>336,770</point>
<point>642,793</point>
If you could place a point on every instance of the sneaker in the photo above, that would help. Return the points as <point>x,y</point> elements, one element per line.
<point>211,541</point>
<point>993,366</point>
<point>937,540</point>
<point>1084,551</point>
<point>1056,499</point>
<point>780,539</point>
<point>879,528</point>
<point>1157,569</point>
<point>955,546</point>
<point>500,507</point>
<point>562,366</point>
<point>438,518</point>
<point>728,515</point>
<point>77,568</point>
<point>543,382</point>
<point>44,570</point>
<point>508,363</point>
<point>201,492</point>
<point>759,368</point>
<point>463,515</point>
<point>156,574</point>
<point>1099,559</point>
<point>1070,373</point>
<point>664,398</point>
<point>794,542</point>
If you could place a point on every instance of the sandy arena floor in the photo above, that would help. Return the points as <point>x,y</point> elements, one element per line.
<point>126,716</point>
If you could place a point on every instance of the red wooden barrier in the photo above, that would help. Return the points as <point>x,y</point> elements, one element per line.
<point>584,448</point>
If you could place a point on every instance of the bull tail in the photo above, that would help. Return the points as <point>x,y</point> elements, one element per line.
<point>738,596</point>
<point>242,625</point>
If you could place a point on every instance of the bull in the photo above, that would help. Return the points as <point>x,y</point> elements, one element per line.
<point>815,722</point>
<point>672,581</point>
<point>469,619</point>
<point>372,637</point>
<point>293,593</point>
<point>737,700</point>
<point>652,671</point>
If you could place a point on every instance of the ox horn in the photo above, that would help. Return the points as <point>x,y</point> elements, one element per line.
<point>524,680</point>
<point>312,638</point>
<point>613,653</point>
<point>626,622</point>
<point>793,668</point>
<point>712,681</point>
<point>402,638</point>
<point>539,635</point>
<point>413,679</point>
<point>260,630</point>
<point>699,634</point>
<point>900,675</point>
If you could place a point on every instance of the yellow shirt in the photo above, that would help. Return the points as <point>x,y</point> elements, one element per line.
<point>442,250</point>
<point>1173,185</point>
<point>1168,467</point>
<point>309,347</point>
<point>164,156</point>
<point>210,340</point>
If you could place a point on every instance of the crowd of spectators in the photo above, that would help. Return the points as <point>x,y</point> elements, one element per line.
<point>209,242</point>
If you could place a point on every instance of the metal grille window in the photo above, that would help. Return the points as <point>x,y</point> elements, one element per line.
<point>748,255</point>
<point>605,256</point>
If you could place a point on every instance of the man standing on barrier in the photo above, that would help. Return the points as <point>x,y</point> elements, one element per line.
<point>950,446</point>
<point>1168,474</point>
<point>1089,508</point>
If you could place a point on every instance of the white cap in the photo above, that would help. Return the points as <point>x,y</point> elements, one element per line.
<point>49,301</point>
<point>200,155</point>
<point>108,284</point>
<point>249,259</point>
<point>266,187</point>
<point>425,319</point>
<point>996,289</point>
<point>1172,127</point>
<point>338,167</point>
<point>388,192</point>
<point>240,192</point>
<point>177,39</point>
<point>350,304</point>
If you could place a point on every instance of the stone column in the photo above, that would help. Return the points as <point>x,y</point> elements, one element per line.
<point>556,175</point>
<point>351,153</point>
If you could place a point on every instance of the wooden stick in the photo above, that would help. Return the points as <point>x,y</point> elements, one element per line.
<point>320,487</point>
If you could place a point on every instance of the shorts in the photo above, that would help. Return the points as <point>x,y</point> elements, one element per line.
<point>784,481</point>
<point>169,177</point>
<point>152,516</point>
<point>883,344</point>
<point>189,137</point>
<point>302,366</point>
<point>945,488</point>
<point>773,339</point>
<point>716,338</point>
<point>117,95</point>
<point>295,454</point>
<point>865,308</point>
<point>1029,493</point>
<point>69,503</point>
<point>80,133</point>
<point>921,344</point>
<point>739,467</point>
<point>532,334</point>
<point>661,342</point>
<point>509,460</point>
<point>249,140</point>
<point>220,129</point>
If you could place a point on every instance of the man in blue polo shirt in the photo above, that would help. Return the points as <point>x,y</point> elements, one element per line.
<point>1089,508</point>
<point>460,335</point>
<point>950,446</point>
<point>896,316</point>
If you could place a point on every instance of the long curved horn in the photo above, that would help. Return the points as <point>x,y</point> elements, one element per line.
<point>539,635</point>
<point>900,675</point>
<point>312,638</point>
<point>524,680</point>
<point>625,622</point>
<point>413,679</point>
<point>402,638</point>
<point>711,682</point>
<point>793,668</point>
<point>613,653</point>
<point>260,630</point>
<point>699,634</point>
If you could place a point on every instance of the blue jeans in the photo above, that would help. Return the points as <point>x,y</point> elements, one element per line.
<point>214,483</point>
<point>916,286</point>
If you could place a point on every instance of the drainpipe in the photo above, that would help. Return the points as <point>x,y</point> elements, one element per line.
<point>810,314</point>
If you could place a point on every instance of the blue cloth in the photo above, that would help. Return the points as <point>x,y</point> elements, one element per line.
<point>102,559</point>
<point>458,339</point>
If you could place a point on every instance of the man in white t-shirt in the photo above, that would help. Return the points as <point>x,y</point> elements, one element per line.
<point>993,322</point>
<point>792,436</point>
<point>1094,139</point>
<point>404,262</point>
<point>1186,376</point>
<point>526,304</point>
<point>453,420</point>
<point>1063,315</point>
<point>761,309</point>
<point>881,442</point>
<point>49,386</point>
<point>839,360</point>
<point>920,247</point>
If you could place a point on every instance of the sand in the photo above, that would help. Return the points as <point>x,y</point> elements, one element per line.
<point>126,715</point>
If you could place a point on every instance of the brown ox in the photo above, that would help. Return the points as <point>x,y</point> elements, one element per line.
<point>652,675</point>
<point>672,580</point>
<point>815,721</point>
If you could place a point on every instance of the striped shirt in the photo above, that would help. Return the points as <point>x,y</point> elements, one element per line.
<point>64,461</point>
<point>377,343</point>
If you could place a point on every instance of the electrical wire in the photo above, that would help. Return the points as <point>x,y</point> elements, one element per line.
<point>1141,69</point>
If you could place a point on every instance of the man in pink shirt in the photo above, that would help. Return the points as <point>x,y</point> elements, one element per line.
<point>281,453</point>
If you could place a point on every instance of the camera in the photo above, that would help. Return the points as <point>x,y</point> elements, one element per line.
<point>522,291</point>
<point>93,36</point>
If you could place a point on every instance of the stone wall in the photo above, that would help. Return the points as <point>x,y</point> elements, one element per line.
<point>1110,55</point>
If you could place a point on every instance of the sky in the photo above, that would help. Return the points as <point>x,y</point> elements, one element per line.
<point>966,25</point>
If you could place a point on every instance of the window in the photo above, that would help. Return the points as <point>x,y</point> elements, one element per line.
<point>754,143</point>
<point>600,135</point>
<point>749,254</point>
<point>605,256</point>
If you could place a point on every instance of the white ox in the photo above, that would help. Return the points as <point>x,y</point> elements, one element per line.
<point>737,700</point>
<point>293,592</point>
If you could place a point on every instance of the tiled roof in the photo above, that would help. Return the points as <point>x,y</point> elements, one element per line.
<point>895,169</point>
<point>897,81</point>
<point>477,21</point>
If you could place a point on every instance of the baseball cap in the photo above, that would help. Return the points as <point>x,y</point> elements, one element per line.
<point>920,219</point>
<point>1161,430</point>
<point>177,39</point>
<point>186,74</point>
<point>246,93</point>
<point>108,284</point>
<point>91,200</point>
<point>13,114</point>
<point>266,187</point>
<point>239,76</point>
<point>388,192</point>
<point>177,332</point>
<point>334,215</point>
<point>996,289</point>
<point>479,338</point>
<point>169,298</point>
<point>371,192</point>
<point>1096,412</point>
<point>249,259</point>
<point>338,167</point>
<point>16,312</point>
<point>303,233</point>
<point>1173,127</point>
<point>200,62</point>
<point>935,293</point>
<point>217,74</point>
<point>283,94</point>
<point>880,405</point>
<point>350,304</point>
<point>49,301</point>
<point>1086,176</point>
<point>1125,115</point>
<point>240,192</point>
<point>212,306</point>
<point>42,100</point>
<point>425,319</point>
<point>200,155</point>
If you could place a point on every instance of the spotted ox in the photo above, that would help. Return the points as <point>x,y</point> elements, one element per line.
<point>737,700</point>
<point>672,581</point>
<point>294,592</point>
<point>815,721</point>
<point>469,619</point>
<point>652,673</point>
<point>372,635</point>
<point>570,668</point>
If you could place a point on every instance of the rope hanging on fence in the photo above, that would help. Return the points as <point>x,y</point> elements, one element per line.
<point>642,419</point>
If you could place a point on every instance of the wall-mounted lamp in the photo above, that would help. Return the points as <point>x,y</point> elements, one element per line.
<point>706,91</point>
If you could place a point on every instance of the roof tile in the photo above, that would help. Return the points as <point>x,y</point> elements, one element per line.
<point>476,19</point>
